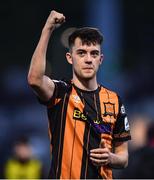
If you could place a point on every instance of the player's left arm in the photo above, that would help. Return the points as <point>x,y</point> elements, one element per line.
<point>121,135</point>
<point>119,159</point>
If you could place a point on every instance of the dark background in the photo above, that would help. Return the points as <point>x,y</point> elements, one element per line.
<point>21,23</point>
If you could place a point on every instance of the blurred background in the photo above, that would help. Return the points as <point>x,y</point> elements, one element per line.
<point>128,31</point>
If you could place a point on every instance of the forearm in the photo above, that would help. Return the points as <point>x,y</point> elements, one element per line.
<point>118,160</point>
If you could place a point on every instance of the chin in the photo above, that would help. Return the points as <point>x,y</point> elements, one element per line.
<point>88,76</point>
<point>85,76</point>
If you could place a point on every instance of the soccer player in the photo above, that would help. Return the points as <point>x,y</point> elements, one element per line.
<point>88,125</point>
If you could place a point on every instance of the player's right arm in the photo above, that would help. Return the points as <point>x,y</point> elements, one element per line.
<point>42,85</point>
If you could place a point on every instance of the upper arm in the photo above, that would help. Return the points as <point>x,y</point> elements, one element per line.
<point>45,90</point>
<point>121,148</point>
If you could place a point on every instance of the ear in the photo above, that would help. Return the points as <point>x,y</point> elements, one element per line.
<point>101,59</point>
<point>69,57</point>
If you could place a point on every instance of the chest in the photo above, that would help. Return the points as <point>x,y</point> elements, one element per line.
<point>97,109</point>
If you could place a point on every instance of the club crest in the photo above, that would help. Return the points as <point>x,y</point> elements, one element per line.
<point>109,109</point>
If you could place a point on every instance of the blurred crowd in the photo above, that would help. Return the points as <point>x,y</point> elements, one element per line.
<point>22,116</point>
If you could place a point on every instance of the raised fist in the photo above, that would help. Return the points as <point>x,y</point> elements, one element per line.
<point>55,19</point>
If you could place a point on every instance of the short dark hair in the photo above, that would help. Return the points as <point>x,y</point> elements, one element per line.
<point>22,140</point>
<point>87,35</point>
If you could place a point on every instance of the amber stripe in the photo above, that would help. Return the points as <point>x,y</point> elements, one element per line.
<point>72,158</point>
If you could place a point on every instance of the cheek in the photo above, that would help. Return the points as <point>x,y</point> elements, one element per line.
<point>76,66</point>
<point>77,62</point>
<point>97,63</point>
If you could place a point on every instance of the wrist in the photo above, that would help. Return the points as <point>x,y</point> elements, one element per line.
<point>109,163</point>
<point>48,28</point>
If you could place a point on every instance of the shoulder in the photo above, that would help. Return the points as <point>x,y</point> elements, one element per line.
<point>62,84</point>
<point>62,87</point>
<point>110,93</point>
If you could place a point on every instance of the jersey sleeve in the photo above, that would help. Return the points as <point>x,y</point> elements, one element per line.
<point>61,88</point>
<point>121,130</point>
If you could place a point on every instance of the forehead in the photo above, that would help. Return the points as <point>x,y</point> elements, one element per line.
<point>79,45</point>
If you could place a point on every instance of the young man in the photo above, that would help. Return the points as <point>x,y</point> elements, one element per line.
<point>88,125</point>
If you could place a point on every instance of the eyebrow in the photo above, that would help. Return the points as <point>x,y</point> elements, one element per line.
<point>83,50</point>
<point>95,51</point>
<point>80,50</point>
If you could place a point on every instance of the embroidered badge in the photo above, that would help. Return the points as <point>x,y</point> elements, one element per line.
<point>109,109</point>
<point>76,98</point>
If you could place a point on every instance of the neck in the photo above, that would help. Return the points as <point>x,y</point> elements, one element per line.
<point>87,84</point>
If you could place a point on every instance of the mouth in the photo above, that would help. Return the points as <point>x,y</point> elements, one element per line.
<point>87,68</point>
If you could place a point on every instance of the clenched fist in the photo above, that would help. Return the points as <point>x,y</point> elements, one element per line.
<point>54,20</point>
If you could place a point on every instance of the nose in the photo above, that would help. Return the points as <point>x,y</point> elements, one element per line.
<point>88,59</point>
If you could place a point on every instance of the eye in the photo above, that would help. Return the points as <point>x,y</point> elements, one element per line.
<point>81,53</point>
<point>95,54</point>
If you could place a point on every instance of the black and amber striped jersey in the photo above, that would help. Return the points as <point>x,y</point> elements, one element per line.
<point>78,120</point>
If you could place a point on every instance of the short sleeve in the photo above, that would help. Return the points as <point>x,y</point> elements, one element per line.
<point>121,130</point>
<point>61,88</point>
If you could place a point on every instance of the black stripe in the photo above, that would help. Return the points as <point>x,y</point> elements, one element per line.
<point>98,104</point>
<point>58,123</point>
<point>91,171</point>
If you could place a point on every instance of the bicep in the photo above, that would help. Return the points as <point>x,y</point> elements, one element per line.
<point>46,89</point>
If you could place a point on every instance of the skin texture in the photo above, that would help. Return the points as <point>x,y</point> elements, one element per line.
<point>85,60</point>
